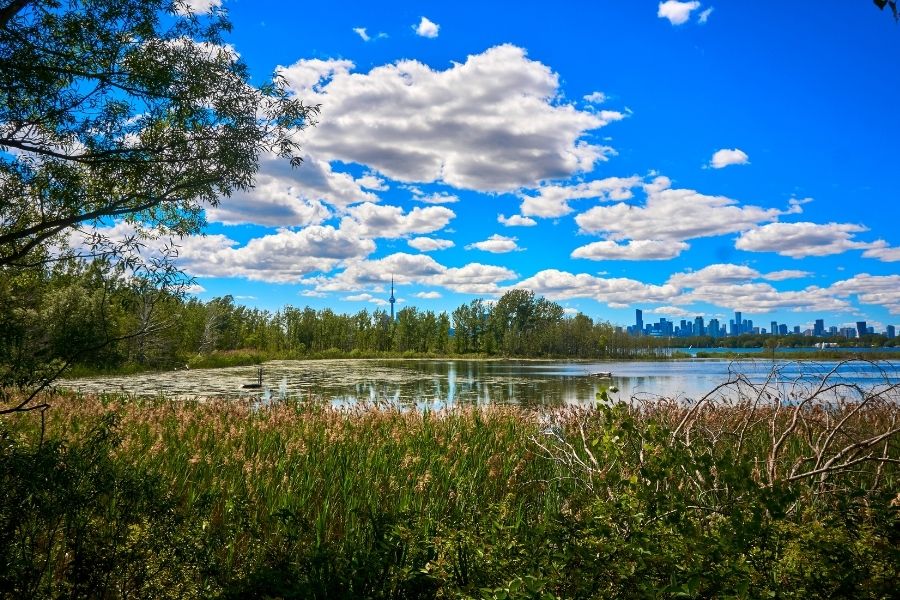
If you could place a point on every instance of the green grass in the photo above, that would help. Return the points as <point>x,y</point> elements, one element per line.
<point>207,499</point>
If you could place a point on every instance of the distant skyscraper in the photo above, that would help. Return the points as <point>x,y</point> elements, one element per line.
<point>819,328</point>
<point>699,329</point>
<point>638,321</point>
<point>713,327</point>
<point>891,332</point>
<point>782,329</point>
<point>861,328</point>
<point>774,328</point>
<point>796,330</point>
<point>392,299</point>
<point>738,323</point>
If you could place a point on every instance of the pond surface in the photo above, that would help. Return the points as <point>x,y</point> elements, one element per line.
<point>765,352</point>
<point>440,383</point>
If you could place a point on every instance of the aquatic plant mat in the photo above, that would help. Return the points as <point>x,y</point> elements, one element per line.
<point>789,495</point>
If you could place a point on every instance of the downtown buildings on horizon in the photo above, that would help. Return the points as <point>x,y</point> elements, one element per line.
<point>740,326</point>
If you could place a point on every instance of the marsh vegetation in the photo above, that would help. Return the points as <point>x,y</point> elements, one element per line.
<point>792,495</point>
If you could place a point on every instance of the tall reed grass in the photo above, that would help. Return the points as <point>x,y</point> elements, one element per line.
<point>301,499</point>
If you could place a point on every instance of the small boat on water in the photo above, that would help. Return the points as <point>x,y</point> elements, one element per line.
<point>255,386</point>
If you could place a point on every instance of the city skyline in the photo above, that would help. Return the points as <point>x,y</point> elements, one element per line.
<point>737,326</point>
<point>721,166</point>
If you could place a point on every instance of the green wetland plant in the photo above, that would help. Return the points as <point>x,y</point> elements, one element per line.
<point>756,497</point>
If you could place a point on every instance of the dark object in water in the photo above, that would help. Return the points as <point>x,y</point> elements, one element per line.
<point>601,374</point>
<point>258,384</point>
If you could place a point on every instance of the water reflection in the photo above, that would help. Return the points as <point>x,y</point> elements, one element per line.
<point>440,383</point>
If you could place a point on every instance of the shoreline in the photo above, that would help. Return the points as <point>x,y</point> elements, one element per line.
<point>80,372</point>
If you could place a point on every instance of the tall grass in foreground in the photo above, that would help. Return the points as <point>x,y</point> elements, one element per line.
<point>752,498</point>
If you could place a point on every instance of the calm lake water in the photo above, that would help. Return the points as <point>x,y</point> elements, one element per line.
<point>763,352</point>
<point>440,383</point>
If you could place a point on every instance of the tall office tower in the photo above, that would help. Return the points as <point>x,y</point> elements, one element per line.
<point>891,332</point>
<point>861,328</point>
<point>833,330</point>
<point>774,328</point>
<point>699,329</point>
<point>796,330</point>
<point>732,327</point>
<point>684,327</point>
<point>748,326</point>
<point>782,329</point>
<point>819,328</point>
<point>639,321</point>
<point>713,328</point>
<point>738,323</point>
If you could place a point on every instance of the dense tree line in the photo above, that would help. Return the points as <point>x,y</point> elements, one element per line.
<point>74,313</point>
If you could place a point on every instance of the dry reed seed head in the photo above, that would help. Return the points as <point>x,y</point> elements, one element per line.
<point>423,482</point>
<point>495,465</point>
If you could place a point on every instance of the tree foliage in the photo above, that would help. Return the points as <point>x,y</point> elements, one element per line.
<point>125,108</point>
<point>892,4</point>
<point>115,110</point>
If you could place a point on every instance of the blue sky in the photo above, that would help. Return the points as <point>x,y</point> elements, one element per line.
<point>686,158</point>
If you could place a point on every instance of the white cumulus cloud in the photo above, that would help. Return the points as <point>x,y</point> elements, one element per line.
<point>802,239</point>
<point>472,278</point>
<point>198,7</point>
<point>497,244</point>
<point>562,285</point>
<point>427,28</point>
<point>721,273</point>
<point>281,257</point>
<point>763,298</point>
<point>426,244</point>
<point>553,200</point>
<point>728,156</point>
<point>785,274</point>
<point>882,251</point>
<point>370,220</point>
<point>464,127</point>
<point>880,290</point>
<point>516,221</point>
<point>735,287</point>
<point>366,297</point>
<point>632,250</point>
<point>676,12</point>
<point>437,198</point>
<point>673,311</point>
<point>674,214</point>
<point>432,295</point>
<point>291,197</point>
